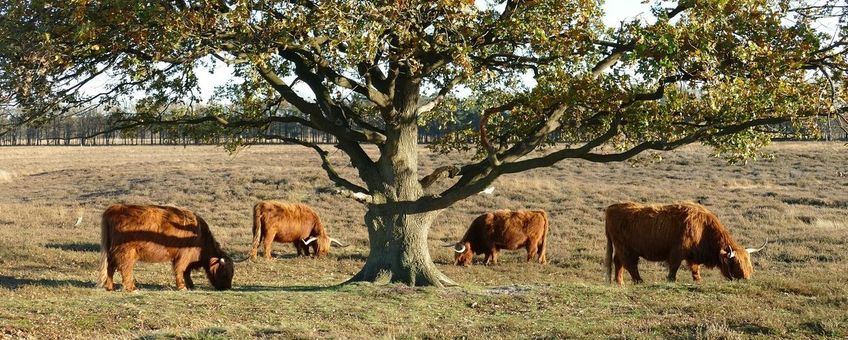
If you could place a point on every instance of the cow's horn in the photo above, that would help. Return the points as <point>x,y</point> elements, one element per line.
<point>222,261</point>
<point>309,240</point>
<point>754,250</point>
<point>730,253</point>
<point>332,240</point>
<point>459,250</point>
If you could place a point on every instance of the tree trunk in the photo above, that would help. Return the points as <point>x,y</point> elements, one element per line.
<point>399,248</point>
<point>397,234</point>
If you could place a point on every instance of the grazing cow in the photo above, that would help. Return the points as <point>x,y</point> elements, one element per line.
<point>149,233</point>
<point>503,229</point>
<point>671,233</point>
<point>289,223</point>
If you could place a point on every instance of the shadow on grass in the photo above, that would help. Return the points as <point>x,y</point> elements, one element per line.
<point>352,257</point>
<point>85,247</point>
<point>15,283</point>
<point>293,256</point>
<point>274,256</point>
<point>206,333</point>
<point>104,194</point>
<point>258,288</point>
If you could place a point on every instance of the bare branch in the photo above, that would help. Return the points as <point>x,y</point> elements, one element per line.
<point>440,97</point>
<point>359,196</point>
<point>620,50</point>
<point>325,163</point>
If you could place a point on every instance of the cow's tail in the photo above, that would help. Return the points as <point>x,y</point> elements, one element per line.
<point>257,228</point>
<point>544,244</point>
<point>105,244</point>
<point>608,257</point>
<point>608,260</point>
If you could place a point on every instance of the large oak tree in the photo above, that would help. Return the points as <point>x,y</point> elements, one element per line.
<point>546,79</point>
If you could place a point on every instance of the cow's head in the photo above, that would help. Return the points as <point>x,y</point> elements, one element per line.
<point>323,242</point>
<point>463,254</point>
<point>736,263</point>
<point>220,272</point>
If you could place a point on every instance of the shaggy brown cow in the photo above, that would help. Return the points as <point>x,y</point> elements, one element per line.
<point>148,233</point>
<point>503,229</point>
<point>289,223</point>
<point>671,233</point>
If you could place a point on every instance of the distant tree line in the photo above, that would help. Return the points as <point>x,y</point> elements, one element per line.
<point>97,129</point>
<point>94,129</point>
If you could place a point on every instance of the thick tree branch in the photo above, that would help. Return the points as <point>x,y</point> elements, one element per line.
<point>440,172</point>
<point>334,122</point>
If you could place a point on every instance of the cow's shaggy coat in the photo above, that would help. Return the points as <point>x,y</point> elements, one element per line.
<point>671,233</point>
<point>147,233</point>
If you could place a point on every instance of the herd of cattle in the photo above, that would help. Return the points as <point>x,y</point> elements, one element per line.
<point>670,233</point>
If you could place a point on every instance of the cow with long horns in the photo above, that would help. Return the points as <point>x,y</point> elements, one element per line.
<point>149,233</point>
<point>289,223</point>
<point>671,233</point>
<point>503,229</point>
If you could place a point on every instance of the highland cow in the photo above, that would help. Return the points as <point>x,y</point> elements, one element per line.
<point>289,223</point>
<point>671,233</point>
<point>147,233</point>
<point>503,229</point>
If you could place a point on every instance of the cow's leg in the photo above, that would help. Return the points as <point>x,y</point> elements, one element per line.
<point>254,248</point>
<point>314,246</point>
<point>541,250</point>
<point>180,273</point>
<point>126,269</point>
<point>269,239</point>
<point>110,274</point>
<point>187,277</point>
<point>633,267</point>
<point>302,249</point>
<point>630,262</point>
<point>619,270</point>
<point>673,265</point>
<point>532,248</point>
<point>495,256</point>
<point>487,260</point>
<point>696,271</point>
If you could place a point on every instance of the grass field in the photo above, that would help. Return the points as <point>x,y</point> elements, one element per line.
<point>48,264</point>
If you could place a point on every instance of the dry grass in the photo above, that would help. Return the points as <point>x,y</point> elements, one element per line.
<point>47,264</point>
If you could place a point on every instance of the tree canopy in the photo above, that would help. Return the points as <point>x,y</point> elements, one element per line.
<point>543,75</point>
